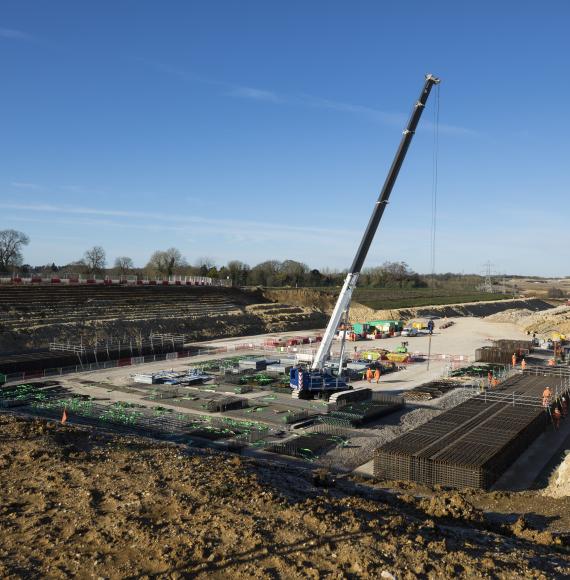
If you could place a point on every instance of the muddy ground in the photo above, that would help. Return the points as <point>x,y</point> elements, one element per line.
<point>78,502</point>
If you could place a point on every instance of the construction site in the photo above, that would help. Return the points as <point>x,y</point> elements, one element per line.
<point>443,422</point>
<point>185,426</point>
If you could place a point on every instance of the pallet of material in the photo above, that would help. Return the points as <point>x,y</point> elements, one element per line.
<point>253,364</point>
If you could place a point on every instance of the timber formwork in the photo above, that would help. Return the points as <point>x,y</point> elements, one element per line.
<point>474,443</point>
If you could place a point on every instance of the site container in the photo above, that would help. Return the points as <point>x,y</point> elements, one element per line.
<point>390,324</point>
<point>361,327</point>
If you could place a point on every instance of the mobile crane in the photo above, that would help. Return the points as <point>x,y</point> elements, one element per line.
<point>318,379</point>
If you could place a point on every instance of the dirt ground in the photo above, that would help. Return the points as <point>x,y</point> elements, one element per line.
<point>74,502</point>
<point>542,323</point>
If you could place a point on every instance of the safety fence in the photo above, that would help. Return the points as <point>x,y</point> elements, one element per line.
<point>110,364</point>
<point>122,281</point>
<point>454,361</point>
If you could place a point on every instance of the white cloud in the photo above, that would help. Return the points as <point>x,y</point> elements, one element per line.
<point>302,100</point>
<point>13,34</point>
<point>256,95</point>
<point>26,185</point>
<point>240,229</point>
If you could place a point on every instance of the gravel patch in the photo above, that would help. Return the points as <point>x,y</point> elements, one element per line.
<point>359,449</point>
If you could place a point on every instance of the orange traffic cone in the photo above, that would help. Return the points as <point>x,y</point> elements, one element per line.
<point>64,416</point>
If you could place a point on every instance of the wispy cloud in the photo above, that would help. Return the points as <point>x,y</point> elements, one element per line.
<point>242,229</point>
<point>257,95</point>
<point>13,34</point>
<point>26,185</point>
<point>304,100</point>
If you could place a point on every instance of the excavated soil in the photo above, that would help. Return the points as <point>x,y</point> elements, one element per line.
<point>32,317</point>
<point>324,301</point>
<point>358,312</point>
<point>559,485</point>
<point>74,502</point>
<point>543,323</point>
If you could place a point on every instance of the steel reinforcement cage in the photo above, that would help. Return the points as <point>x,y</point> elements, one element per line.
<point>474,443</point>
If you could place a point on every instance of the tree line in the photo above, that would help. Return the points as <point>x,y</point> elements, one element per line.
<point>171,262</point>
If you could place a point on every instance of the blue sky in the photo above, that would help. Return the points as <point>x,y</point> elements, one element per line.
<point>261,130</point>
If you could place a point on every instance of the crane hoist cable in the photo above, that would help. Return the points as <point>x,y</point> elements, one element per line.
<point>434,185</point>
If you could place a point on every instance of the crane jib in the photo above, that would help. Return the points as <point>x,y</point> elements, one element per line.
<point>392,176</point>
<point>344,298</point>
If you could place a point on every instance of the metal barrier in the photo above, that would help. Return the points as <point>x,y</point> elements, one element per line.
<point>131,281</point>
<point>59,371</point>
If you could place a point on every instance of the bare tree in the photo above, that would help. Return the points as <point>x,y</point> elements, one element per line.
<point>95,259</point>
<point>11,243</point>
<point>166,262</point>
<point>124,264</point>
<point>205,262</point>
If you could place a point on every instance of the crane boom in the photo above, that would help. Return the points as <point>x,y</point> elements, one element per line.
<point>351,279</point>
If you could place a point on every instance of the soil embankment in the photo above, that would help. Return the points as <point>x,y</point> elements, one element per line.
<point>543,323</point>
<point>559,485</point>
<point>325,301</point>
<point>32,317</point>
<point>465,309</point>
<point>77,503</point>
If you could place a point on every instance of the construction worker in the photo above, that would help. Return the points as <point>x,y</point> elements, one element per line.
<point>556,415</point>
<point>369,375</point>
<point>495,382</point>
<point>546,396</point>
<point>377,375</point>
<point>523,364</point>
<point>514,359</point>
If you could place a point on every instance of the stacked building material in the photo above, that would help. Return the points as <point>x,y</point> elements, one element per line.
<point>226,404</point>
<point>255,364</point>
<point>502,351</point>
<point>474,443</point>
<point>309,446</point>
<point>491,354</point>
<point>513,345</point>
<point>478,370</point>
<point>431,390</point>
<point>279,368</point>
<point>357,414</point>
<point>293,416</point>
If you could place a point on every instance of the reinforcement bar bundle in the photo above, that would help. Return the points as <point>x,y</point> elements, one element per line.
<point>474,443</point>
<point>357,414</point>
